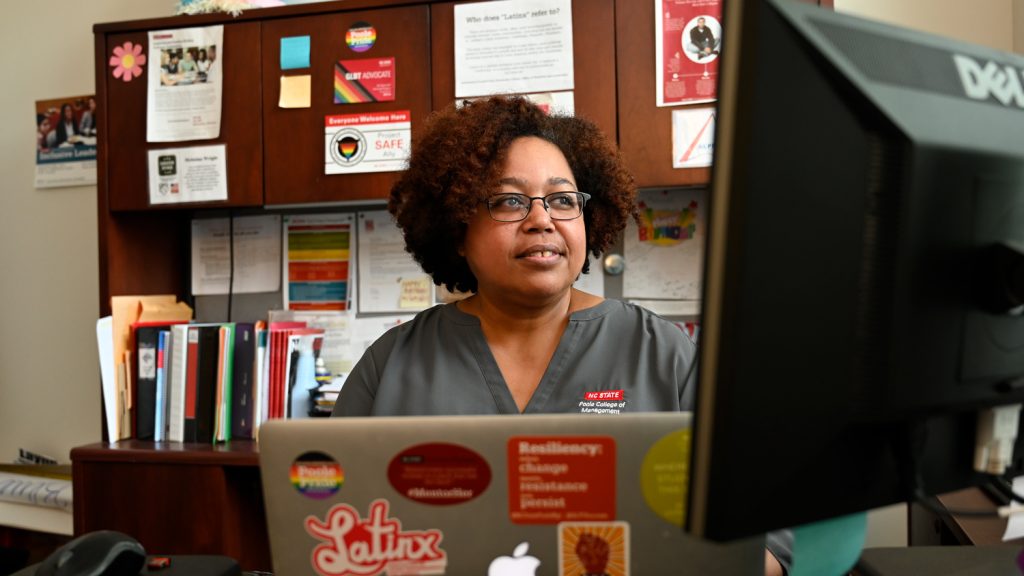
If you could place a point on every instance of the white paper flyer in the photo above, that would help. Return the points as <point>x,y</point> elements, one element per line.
<point>185,84</point>
<point>513,46</point>
<point>180,175</point>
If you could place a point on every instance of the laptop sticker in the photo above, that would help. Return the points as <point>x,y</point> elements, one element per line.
<point>439,473</point>
<point>518,564</point>
<point>593,548</point>
<point>316,475</point>
<point>553,479</point>
<point>603,402</point>
<point>664,476</point>
<point>354,546</point>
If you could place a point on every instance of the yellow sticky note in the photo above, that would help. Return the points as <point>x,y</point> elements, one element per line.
<point>295,92</point>
<point>415,293</point>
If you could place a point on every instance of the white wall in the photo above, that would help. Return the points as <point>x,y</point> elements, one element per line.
<point>997,24</point>
<point>1018,26</point>
<point>49,286</point>
<point>986,22</point>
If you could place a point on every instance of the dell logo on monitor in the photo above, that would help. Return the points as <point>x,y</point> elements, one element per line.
<point>1003,82</point>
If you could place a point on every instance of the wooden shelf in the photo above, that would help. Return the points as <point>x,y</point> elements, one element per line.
<point>175,498</point>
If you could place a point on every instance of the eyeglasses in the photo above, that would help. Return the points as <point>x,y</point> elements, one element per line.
<point>513,207</point>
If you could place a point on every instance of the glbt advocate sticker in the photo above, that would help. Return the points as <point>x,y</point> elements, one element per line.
<point>368,142</point>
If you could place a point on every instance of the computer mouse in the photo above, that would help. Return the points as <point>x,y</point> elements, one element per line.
<point>100,553</point>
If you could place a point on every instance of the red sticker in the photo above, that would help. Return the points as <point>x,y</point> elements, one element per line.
<point>439,473</point>
<point>554,479</point>
<point>354,546</point>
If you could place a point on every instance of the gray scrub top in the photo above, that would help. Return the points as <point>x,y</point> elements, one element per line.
<point>440,363</point>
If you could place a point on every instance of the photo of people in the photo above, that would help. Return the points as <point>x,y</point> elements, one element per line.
<point>186,65</point>
<point>702,39</point>
<point>66,131</point>
<point>66,123</point>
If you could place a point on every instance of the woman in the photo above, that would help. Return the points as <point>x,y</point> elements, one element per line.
<point>505,202</point>
<point>203,65</point>
<point>67,127</point>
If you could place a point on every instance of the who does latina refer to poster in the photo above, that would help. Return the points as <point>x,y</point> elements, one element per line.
<point>66,142</point>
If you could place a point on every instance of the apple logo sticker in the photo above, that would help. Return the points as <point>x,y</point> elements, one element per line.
<point>519,564</point>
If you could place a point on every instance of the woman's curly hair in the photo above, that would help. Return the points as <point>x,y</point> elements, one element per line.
<point>458,159</point>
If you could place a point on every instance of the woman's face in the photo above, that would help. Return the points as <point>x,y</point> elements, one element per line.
<point>68,113</point>
<point>535,260</point>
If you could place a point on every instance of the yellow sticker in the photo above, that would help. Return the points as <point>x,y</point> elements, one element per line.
<point>665,476</point>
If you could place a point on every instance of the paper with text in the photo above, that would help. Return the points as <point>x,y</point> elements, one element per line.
<point>184,88</point>
<point>389,279</point>
<point>256,255</point>
<point>513,46</point>
<point>182,175</point>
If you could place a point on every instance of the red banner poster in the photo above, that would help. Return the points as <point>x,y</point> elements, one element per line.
<point>689,40</point>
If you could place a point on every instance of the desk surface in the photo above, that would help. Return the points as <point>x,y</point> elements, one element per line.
<point>976,531</point>
<point>940,561</point>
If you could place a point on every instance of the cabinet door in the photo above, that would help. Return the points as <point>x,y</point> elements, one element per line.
<point>645,130</point>
<point>125,162</point>
<point>593,50</point>
<point>295,137</point>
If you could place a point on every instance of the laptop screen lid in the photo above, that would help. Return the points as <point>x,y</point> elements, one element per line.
<point>489,495</point>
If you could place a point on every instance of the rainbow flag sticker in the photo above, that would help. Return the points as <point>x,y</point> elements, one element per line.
<point>316,475</point>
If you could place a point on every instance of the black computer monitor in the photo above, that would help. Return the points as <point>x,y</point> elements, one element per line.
<point>863,272</point>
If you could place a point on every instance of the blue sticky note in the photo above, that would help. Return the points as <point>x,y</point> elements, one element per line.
<point>294,52</point>
<point>829,547</point>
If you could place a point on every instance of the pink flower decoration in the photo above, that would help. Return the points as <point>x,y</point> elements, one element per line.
<point>127,61</point>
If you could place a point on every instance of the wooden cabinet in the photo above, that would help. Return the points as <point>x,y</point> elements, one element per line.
<point>645,130</point>
<point>294,138</point>
<point>175,498</point>
<point>593,58</point>
<point>124,157</point>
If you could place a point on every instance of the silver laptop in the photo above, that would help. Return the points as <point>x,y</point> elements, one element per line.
<point>554,494</point>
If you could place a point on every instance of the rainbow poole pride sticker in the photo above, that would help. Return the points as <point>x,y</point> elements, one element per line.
<point>316,475</point>
<point>361,37</point>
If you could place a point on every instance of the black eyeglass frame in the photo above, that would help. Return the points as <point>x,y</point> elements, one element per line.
<point>584,198</point>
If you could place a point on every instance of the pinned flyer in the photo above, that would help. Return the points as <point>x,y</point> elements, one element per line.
<point>369,142</point>
<point>693,137</point>
<point>181,175</point>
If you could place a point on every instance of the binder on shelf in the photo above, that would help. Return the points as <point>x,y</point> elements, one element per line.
<point>177,377</point>
<point>243,385</point>
<point>145,341</point>
<point>160,416</point>
<point>201,382</point>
